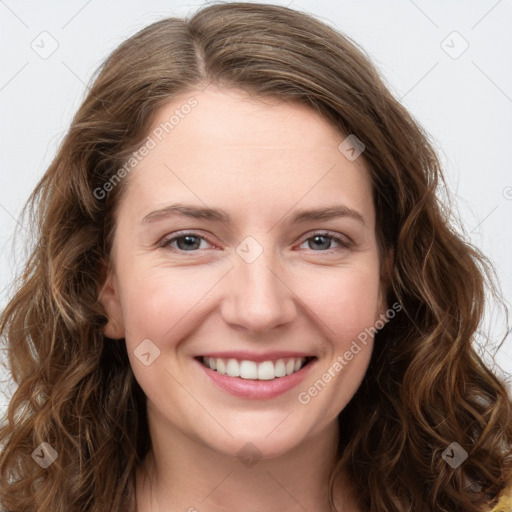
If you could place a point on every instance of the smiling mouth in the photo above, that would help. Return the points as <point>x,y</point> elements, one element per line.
<point>246,369</point>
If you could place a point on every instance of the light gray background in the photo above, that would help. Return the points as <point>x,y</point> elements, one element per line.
<point>462,98</point>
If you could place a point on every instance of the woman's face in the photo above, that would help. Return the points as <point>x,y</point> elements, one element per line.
<point>242,276</point>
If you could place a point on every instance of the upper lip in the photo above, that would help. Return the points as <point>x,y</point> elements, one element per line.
<point>242,355</point>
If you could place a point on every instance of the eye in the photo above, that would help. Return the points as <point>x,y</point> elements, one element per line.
<point>186,242</point>
<point>318,242</point>
<point>324,240</point>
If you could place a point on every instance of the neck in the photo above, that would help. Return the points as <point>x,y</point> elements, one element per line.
<point>182,474</point>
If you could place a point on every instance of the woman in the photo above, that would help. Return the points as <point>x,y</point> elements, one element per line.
<point>245,293</point>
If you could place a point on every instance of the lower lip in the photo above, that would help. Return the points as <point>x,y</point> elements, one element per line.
<point>256,389</point>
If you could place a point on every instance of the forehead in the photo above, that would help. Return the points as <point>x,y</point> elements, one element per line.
<point>235,118</point>
<point>244,151</point>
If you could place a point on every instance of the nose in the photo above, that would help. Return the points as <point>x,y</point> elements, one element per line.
<point>258,297</point>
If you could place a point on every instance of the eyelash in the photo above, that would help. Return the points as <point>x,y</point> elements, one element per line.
<point>344,243</point>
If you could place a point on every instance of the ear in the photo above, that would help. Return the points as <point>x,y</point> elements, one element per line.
<point>110,300</point>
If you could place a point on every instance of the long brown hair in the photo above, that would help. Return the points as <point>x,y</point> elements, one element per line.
<point>426,386</point>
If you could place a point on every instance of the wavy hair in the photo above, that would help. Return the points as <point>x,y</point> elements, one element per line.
<point>426,385</point>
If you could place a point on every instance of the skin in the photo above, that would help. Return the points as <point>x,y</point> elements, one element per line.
<point>260,161</point>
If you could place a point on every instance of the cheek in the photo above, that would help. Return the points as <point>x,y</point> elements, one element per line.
<point>355,310</point>
<point>159,303</point>
<point>345,301</point>
<point>347,309</point>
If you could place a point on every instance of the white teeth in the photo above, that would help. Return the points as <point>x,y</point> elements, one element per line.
<point>221,367</point>
<point>280,368</point>
<point>233,368</point>
<point>266,370</point>
<point>248,370</point>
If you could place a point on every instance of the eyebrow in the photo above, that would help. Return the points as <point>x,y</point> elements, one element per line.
<point>219,215</point>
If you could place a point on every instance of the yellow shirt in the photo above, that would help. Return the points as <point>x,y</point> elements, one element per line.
<point>505,503</point>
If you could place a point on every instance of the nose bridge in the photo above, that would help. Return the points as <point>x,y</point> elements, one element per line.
<point>258,299</point>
